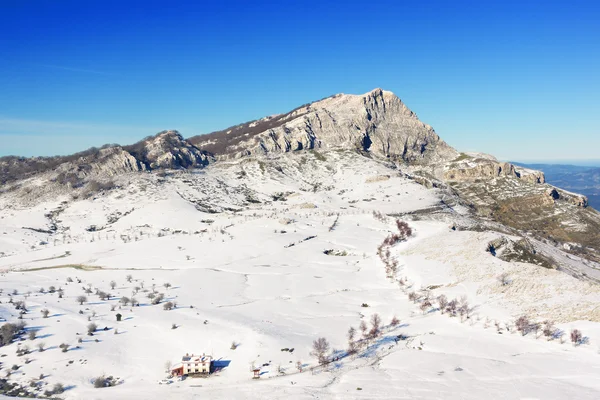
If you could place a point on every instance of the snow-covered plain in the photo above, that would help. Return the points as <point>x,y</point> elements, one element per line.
<point>256,274</point>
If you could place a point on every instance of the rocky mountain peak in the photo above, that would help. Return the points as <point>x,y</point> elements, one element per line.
<point>377,122</point>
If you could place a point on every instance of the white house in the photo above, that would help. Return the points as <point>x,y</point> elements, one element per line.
<point>193,364</point>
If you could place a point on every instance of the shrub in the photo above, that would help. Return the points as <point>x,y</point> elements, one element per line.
<point>64,347</point>
<point>58,388</point>
<point>91,328</point>
<point>168,306</point>
<point>32,334</point>
<point>404,229</point>
<point>8,332</point>
<point>41,346</point>
<point>113,285</point>
<point>158,298</point>
<point>522,324</point>
<point>124,300</point>
<point>81,299</point>
<point>504,279</point>
<point>549,329</point>
<point>45,312</point>
<point>576,337</point>
<point>395,321</point>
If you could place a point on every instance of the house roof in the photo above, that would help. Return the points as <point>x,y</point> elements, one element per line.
<point>194,358</point>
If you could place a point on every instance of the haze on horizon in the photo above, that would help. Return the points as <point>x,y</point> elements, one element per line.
<point>515,80</point>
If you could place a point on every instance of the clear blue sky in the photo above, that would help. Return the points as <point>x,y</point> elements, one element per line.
<point>520,79</point>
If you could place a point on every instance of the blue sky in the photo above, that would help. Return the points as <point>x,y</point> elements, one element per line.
<point>519,80</point>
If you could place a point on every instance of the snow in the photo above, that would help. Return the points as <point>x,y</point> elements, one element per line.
<point>239,279</point>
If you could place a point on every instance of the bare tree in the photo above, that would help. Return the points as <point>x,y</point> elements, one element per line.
<point>351,340</point>
<point>424,306</point>
<point>375,326</point>
<point>167,285</point>
<point>363,328</point>
<point>45,312</point>
<point>452,307</point>
<point>548,329</point>
<point>113,285</point>
<point>129,278</point>
<point>442,301</point>
<point>168,366</point>
<point>395,321</point>
<point>41,346</point>
<point>81,299</point>
<point>320,349</point>
<point>413,296</point>
<point>32,334</point>
<point>124,300</point>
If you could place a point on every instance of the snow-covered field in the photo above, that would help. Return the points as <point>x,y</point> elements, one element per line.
<point>258,276</point>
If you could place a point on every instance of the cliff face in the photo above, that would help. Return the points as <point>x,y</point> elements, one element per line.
<point>376,122</point>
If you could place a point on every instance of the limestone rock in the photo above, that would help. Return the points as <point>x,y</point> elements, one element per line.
<point>377,122</point>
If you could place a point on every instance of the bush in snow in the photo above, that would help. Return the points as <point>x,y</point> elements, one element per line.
<point>81,299</point>
<point>576,337</point>
<point>522,324</point>
<point>45,312</point>
<point>504,279</point>
<point>168,306</point>
<point>91,328</point>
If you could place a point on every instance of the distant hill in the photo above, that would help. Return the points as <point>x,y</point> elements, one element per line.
<point>583,180</point>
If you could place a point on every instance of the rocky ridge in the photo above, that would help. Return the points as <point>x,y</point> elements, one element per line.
<point>377,122</point>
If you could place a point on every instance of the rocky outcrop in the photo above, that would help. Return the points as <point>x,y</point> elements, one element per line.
<point>168,149</point>
<point>106,162</point>
<point>468,168</point>
<point>377,122</point>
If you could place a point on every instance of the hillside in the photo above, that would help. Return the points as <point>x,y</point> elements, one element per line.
<point>237,246</point>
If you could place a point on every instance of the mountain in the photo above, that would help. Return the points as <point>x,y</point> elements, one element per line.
<point>377,122</point>
<point>254,243</point>
<point>579,179</point>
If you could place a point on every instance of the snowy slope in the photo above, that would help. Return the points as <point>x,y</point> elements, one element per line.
<point>242,245</point>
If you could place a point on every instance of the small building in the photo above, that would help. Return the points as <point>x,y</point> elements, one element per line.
<point>193,364</point>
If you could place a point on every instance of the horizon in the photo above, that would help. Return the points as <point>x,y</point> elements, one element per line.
<point>514,80</point>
